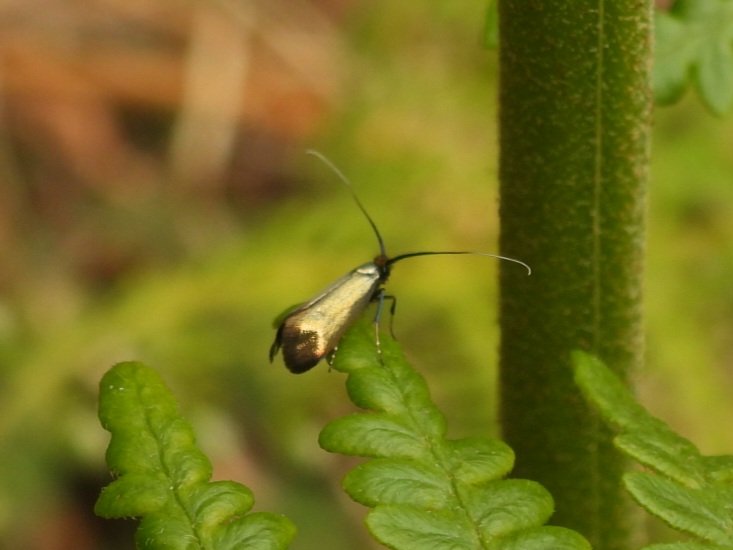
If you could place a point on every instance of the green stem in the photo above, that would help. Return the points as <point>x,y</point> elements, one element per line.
<point>574,126</point>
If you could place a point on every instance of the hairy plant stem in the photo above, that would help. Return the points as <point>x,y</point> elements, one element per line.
<point>574,135</point>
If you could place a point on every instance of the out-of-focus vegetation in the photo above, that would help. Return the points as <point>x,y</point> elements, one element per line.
<point>155,204</point>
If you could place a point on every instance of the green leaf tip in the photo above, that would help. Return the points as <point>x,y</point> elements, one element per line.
<point>163,478</point>
<point>702,512</point>
<point>694,42</point>
<point>687,490</point>
<point>491,25</point>
<point>427,491</point>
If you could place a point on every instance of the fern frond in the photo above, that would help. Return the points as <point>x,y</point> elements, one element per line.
<point>163,477</point>
<point>425,490</point>
<point>691,492</point>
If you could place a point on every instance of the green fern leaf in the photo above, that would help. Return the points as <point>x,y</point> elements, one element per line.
<point>690,492</point>
<point>491,25</point>
<point>685,546</point>
<point>164,477</point>
<point>694,41</point>
<point>541,538</point>
<point>704,512</point>
<point>426,491</point>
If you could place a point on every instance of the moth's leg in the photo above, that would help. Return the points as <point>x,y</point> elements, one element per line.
<point>331,356</point>
<point>392,310</point>
<point>379,298</point>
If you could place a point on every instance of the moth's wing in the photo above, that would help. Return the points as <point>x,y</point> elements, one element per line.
<point>282,319</point>
<point>310,332</point>
<point>286,313</point>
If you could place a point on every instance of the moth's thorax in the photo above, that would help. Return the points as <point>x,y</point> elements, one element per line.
<point>369,270</point>
<point>378,267</point>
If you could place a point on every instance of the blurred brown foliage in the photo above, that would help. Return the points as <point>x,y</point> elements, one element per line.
<point>131,132</point>
<point>112,107</point>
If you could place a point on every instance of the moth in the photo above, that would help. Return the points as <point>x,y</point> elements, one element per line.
<point>311,331</point>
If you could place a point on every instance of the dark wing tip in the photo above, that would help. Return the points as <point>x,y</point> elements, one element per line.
<point>301,349</point>
<point>301,364</point>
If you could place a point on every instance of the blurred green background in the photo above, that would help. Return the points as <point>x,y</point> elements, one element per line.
<point>156,204</point>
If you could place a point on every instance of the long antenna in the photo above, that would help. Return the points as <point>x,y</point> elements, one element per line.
<point>346,182</point>
<point>413,254</point>
<point>382,249</point>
